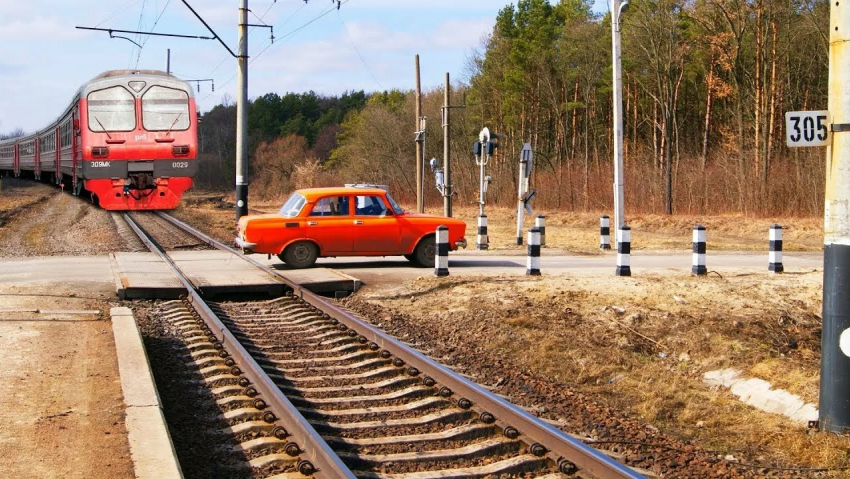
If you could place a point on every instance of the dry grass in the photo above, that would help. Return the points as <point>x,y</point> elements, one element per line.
<point>579,232</point>
<point>650,359</point>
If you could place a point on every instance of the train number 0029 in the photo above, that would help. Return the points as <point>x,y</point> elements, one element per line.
<point>807,128</point>
<point>180,164</point>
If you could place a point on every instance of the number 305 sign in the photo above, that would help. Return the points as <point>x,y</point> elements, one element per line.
<point>807,128</point>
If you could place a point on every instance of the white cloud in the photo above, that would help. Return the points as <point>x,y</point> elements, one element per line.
<point>463,34</point>
<point>371,36</point>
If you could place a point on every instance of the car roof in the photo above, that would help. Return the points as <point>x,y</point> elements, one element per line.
<point>312,193</point>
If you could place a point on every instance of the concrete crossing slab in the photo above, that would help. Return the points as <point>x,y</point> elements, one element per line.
<point>144,276</point>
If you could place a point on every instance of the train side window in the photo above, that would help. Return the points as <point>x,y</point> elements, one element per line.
<point>66,134</point>
<point>165,109</point>
<point>112,109</point>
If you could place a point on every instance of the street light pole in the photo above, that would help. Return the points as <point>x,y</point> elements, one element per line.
<point>242,115</point>
<point>617,8</point>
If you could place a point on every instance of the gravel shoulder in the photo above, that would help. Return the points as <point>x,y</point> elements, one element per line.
<point>39,220</point>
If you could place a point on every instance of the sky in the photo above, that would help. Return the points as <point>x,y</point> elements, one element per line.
<point>365,45</point>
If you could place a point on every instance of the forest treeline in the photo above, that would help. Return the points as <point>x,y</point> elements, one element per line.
<point>706,84</point>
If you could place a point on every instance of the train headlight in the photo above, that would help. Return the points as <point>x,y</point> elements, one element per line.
<point>180,150</point>
<point>100,151</point>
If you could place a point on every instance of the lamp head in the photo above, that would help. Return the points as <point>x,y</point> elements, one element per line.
<point>433,164</point>
<point>623,7</point>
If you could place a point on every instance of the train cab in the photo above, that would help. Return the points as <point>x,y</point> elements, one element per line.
<point>138,131</point>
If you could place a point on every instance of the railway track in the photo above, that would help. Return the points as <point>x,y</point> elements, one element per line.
<point>308,389</point>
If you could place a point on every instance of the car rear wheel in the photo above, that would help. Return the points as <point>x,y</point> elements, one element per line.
<point>423,255</point>
<point>300,255</point>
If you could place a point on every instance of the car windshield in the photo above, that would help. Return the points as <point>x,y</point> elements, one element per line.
<point>293,205</point>
<point>395,205</point>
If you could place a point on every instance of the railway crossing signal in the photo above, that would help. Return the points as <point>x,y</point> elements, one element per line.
<point>524,196</point>
<point>483,149</point>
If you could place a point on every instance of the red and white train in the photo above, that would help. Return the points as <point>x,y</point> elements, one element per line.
<point>128,137</point>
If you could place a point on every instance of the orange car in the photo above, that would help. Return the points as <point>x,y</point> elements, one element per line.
<point>346,221</point>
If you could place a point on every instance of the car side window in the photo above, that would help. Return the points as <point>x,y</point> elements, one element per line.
<point>322,208</point>
<point>331,206</point>
<point>370,206</point>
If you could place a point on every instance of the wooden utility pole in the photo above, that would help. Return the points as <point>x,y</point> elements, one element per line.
<point>420,138</point>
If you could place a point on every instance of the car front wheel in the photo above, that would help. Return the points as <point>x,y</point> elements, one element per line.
<point>300,255</point>
<point>424,253</point>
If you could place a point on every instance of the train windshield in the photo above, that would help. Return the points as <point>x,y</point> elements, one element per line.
<point>112,109</point>
<point>165,109</point>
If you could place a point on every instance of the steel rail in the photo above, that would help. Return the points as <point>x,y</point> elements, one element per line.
<point>323,459</point>
<point>554,440</point>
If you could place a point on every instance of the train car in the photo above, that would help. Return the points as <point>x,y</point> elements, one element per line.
<point>128,137</point>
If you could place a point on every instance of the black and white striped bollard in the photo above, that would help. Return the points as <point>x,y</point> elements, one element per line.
<point>698,263</point>
<point>533,264</point>
<point>441,259</point>
<point>776,250</point>
<point>483,241</point>
<point>540,224</point>
<point>604,232</point>
<point>624,251</point>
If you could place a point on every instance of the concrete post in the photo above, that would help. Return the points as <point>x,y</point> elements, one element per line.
<point>533,262</point>
<point>616,11</point>
<point>482,241</point>
<point>604,232</point>
<point>624,251</point>
<point>835,337</point>
<point>540,224</point>
<point>775,255</point>
<point>441,258</point>
<point>698,262</point>
<point>242,115</point>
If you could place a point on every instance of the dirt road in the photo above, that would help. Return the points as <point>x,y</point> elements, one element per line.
<point>63,410</point>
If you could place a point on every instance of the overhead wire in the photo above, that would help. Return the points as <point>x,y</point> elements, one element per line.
<point>261,17</point>
<point>282,40</point>
<point>111,15</point>
<point>138,36</point>
<point>362,60</point>
<point>155,23</point>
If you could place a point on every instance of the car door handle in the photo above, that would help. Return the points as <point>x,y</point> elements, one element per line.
<point>312,223</point>
<point>358,222</point>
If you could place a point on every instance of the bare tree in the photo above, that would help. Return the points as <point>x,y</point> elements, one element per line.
<point>656,33</point>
